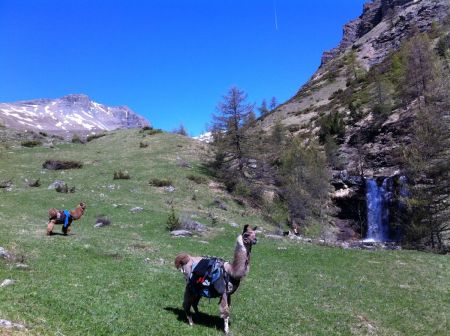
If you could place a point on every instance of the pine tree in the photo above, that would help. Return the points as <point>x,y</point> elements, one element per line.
<point>273,103</point>
<point>229,131</point>
<point>305,179</point>
<point>427,157</point>
<point>263,110</point>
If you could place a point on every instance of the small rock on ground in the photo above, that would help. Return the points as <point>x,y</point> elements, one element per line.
<point>272,236</point>
<point>7,282</point>
<point>21,266</point>
<point>169,189</point>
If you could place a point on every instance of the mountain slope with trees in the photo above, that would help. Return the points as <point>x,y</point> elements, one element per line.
<point>378,107</point>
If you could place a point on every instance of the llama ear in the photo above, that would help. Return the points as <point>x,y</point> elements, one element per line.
<point>245,228</point>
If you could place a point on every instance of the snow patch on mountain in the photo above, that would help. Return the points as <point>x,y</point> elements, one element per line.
<point>71,114</point>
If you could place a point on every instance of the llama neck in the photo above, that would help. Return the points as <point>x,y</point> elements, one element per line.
<point>77,213</point>
<point>240,265</point>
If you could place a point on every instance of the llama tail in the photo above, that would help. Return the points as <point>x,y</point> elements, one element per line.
<point>181,260</point>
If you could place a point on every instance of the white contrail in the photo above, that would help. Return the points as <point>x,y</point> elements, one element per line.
<point>275,13</point>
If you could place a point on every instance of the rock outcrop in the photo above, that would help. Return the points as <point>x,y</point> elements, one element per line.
<point>383,25</point>
<point>71,114</point>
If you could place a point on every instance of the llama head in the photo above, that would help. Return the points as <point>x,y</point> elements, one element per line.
<point>249,235</point>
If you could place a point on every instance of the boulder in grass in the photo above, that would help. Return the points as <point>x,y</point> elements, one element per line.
<point>33,183</point>
<point>7,282</point>
<point>102,221</point>
<point>136,209</point>
<point>57,184</point>
<point>181,233</point>
<point>189,224</point>
<point>11,325</point>
<point>220,204</point>
<point>3,253</point>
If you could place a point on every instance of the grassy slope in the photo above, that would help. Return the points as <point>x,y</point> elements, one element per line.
<point>120,280</point>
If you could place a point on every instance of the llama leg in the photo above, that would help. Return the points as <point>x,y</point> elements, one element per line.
<point>187,305</point>
<point>195,302</point>
<point>50,226</point>
<point>225,312</point>
<point>66,230</point>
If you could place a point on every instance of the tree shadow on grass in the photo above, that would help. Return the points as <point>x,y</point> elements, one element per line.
<point>200,318</point>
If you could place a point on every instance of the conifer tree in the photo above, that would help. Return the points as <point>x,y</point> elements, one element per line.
<point>305,179</point>
<point>273,103</point>
<point>263,109</point>
<point>427,157</point>
<point>229,131</point>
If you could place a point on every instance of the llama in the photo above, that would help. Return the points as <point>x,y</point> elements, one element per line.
<point>234,272</point>
<point>64,217</point>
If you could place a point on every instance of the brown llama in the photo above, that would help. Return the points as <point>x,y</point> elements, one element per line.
<point>64,217</point>
<point>234,272</point>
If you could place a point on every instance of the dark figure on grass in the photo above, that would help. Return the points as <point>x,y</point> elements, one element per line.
<point>64,218</point>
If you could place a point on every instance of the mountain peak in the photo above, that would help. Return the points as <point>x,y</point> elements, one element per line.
<point>68,115</point>
<point>76,97</point>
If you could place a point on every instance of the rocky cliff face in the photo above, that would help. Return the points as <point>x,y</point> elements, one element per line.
<point>383,25</point>
<point>373,36</point>
<point>71,114</point>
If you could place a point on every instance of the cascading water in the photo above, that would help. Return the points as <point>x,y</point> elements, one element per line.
<point>377,198</point>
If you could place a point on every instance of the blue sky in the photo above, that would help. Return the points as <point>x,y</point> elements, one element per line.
<point>170,61</point>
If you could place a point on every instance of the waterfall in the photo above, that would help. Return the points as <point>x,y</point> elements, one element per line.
<point>377,198</point>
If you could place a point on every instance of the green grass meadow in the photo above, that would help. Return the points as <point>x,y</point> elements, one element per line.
<point>120,279</point>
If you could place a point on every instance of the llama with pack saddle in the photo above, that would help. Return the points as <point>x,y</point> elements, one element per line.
<point>213,277</point>
<point>64,218</point>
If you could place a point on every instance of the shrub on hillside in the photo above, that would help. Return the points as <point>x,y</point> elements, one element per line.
<point>6,184</point>
<point>59,165</point>
<point>121,175</point>
<point>197,179</point>
<point>31,143</point>
<point>181,130</point>
<point>160,182</point>
<point>94,136</point>
<point>148,130</point>
<point>154,131</point>
<point>76,139</point>
<point>173,222</point>
<point>331,124</point>
<point>143,144</point>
